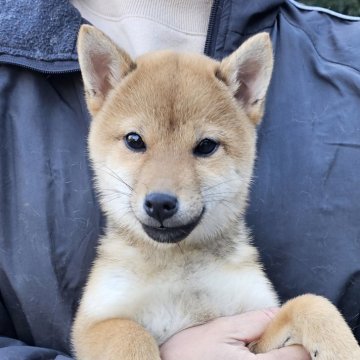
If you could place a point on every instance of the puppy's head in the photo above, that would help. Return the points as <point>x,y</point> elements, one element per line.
<point>172,139</point>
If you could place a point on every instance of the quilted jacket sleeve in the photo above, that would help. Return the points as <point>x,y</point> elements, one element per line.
<point>11,348</point>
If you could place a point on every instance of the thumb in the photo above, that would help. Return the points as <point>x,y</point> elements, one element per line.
<point>295,352</point>
<point>251,325</point>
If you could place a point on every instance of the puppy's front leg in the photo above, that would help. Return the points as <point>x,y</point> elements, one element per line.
<point>114,339</point>
<point>315,323</point>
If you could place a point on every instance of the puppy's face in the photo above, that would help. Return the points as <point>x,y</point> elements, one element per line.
<point>173,136</point>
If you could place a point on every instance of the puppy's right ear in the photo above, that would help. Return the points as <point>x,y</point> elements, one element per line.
<point>103,65</point>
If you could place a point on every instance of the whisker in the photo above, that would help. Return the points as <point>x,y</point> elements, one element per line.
<point>110,199</point>
<point>113,191</point>
<point>224,202</point>
<point>221,196</point>
<point>221,183</point>
<point>117,177</point>
<point>216,199</point>
<point>180,248</point>
<point>222,193</point>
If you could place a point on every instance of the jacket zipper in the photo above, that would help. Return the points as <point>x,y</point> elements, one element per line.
<point>211,27</point>
<point>40,69</point>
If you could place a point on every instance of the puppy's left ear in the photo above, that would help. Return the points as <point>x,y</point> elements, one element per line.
<point>103,65</point>
<point>247,71</point>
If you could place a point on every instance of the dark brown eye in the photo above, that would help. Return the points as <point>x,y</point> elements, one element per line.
<point>134,142</point>
<point>206,147</point>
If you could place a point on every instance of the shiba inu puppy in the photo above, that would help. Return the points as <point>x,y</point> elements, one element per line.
<point>172,143</point>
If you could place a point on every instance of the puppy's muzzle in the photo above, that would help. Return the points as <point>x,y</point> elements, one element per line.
<point>162,206</point>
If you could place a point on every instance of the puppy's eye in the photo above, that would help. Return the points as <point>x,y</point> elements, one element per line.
<point>134,142</point>
<point>206,147</point>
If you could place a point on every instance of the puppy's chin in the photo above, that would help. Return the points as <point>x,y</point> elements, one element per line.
<point>168,235</point>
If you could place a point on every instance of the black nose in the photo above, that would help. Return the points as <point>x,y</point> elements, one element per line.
<point>160,206</point>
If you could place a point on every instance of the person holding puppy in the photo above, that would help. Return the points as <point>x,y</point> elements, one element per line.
<point>304,205</point>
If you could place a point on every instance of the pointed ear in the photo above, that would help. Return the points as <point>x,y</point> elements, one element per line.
<point>247,71</point>
<point>103,65</point>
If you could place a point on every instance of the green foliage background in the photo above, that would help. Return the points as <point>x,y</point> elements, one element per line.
<point>349,7</point>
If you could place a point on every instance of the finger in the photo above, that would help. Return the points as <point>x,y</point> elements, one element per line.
<point>250,326</point>
<point>294,352</point>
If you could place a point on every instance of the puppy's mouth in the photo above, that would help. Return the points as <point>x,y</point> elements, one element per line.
<point>171,235</point>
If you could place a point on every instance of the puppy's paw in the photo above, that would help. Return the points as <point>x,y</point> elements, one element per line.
<point>113,339</point>
<point>313,322</point>
<point>143,353</point>
<point>271,341</point>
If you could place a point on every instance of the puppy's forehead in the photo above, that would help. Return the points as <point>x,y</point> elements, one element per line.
<point>178,94</point>
<point>169,84</point>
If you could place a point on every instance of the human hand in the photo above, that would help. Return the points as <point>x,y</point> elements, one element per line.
<point>226,339</point>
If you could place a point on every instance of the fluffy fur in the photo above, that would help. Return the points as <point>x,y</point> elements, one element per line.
<point>140,292</point>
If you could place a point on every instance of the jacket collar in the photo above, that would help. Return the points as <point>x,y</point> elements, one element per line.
<point>253,16</point>
<point>242,17</point>
<point>42,34</point>
<point>39,34</point>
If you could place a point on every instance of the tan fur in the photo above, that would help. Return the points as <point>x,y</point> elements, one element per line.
<point>125,339</point>
<point>138,286</point>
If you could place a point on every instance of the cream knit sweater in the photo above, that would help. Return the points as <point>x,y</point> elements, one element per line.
<point>140,26</point>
